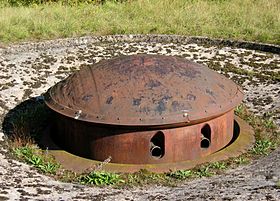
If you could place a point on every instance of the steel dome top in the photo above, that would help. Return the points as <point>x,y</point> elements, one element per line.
<point>144,90</point>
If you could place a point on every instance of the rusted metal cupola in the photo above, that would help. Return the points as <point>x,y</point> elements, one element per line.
<point>144,109</point>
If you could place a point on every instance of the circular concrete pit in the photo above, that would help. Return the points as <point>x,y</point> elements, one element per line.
<point>29,69</point>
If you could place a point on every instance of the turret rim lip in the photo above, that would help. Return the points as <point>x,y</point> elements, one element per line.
<point>70,113</point>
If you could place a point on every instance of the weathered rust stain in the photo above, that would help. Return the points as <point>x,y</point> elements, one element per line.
<point>87,97</point>
<point>152,84</point>
<point>109,100</point>
<point>136,101</point>
<point>191,97</point>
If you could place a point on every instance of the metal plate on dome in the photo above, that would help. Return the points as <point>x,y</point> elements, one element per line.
<point>144,90</point>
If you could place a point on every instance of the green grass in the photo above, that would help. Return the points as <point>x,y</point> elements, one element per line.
<point>240,19</point>
<point>37,158</point>
<point>220,165</point>
<point>101,178</point>
<point>204,171</point>
<point>181,174</point>
<point>241,160</point>
<point>144,177</point>
<point>266,133</point>
<point>16,3</point>
<point>263,147</point>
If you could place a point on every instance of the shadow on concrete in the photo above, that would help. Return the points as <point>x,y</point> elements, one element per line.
<point>28,121</point>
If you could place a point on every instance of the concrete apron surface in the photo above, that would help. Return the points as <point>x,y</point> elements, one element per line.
<point>29,69</point>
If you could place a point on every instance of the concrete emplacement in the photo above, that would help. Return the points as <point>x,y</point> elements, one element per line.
<point>146,112</point>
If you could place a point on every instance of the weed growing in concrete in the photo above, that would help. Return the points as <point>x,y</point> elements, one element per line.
<point>144,177</point>
<point>241,160</point>
<point>219,165</point>
<point>181,174</point>
<point>266,133</point>
<point>263,147</point>
<point>269,123</point>
<point>101,178</point>
<point>240,110</point>
<point>204,171</point>
<point>36,158</point>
